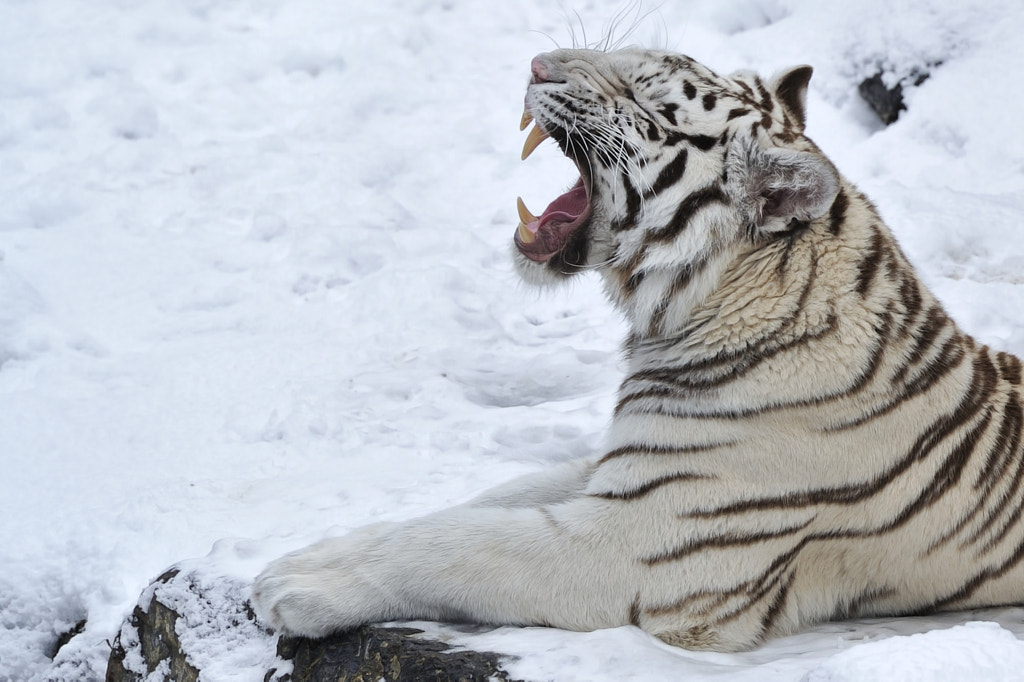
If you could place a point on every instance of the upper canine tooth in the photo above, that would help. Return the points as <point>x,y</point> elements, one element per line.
<point>535,137</point>
<point>524,213</point>
<point>527,117</point>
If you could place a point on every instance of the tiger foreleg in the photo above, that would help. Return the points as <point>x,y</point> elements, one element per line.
<point>489,564</point>
<point>539,550</point>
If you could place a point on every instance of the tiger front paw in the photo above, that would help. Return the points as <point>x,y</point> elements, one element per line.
<point>317,591</point>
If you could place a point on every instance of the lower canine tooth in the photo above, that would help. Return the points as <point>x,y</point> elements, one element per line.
<point>524,213</point>
<point>525,236</point>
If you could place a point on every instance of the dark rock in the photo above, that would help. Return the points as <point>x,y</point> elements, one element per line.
<point>888,102</point>
<point>373,653</point>
<point>182,613</point>
<point>65,637</point>
<point>157,642</point>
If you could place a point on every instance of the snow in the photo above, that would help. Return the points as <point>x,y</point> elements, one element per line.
<point>255,290</point>
<point>972,651</point>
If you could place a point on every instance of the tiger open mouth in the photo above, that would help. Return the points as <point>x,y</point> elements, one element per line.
<point>539,238</point>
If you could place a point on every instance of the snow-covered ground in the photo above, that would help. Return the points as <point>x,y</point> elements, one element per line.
<point>255,287</point>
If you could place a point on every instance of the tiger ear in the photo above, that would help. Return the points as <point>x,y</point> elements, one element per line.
<point>774,186</point>
<point>790,90</point>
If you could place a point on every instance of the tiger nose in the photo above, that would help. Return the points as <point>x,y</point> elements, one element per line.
<point>539,69</point>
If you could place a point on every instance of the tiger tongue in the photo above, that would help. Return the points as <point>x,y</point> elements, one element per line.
<point>566,208</point>
<point>539,238</point>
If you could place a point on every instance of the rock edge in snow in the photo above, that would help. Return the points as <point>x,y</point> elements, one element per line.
<point>159,641</point>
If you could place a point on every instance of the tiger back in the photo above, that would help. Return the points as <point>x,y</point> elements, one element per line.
<point>802,434</point>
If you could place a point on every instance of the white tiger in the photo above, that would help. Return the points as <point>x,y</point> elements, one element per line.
<point>802,434</point>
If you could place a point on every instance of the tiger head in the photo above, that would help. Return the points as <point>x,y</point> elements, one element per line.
<point>679,167</point>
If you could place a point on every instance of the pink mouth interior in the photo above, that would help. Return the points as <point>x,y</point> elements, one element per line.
<point>556,224</point>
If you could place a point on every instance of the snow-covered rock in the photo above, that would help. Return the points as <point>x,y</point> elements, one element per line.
<point>190,625</point>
